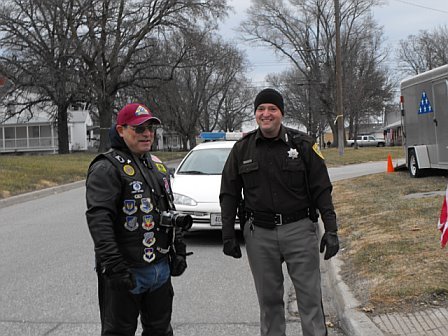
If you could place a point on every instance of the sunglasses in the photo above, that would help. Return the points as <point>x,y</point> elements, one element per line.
<point>139,129</point>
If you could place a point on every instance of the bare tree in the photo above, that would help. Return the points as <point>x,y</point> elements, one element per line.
<point>39,58</point>
<point>225,65</point>
<point>424,51</point>
<point>199,93</point>
<point>237,106</point>
<point>303,32</point>
<point>115,33</point>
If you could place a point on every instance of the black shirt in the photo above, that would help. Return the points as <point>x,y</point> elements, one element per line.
<point>271,173</point>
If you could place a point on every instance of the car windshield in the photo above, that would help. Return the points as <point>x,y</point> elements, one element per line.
<point>208,161</point>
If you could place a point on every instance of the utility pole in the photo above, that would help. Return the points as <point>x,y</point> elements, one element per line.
<point>339,108</point>
<point>308,103</point>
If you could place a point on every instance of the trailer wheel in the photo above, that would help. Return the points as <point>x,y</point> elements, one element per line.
<point>414,170</point>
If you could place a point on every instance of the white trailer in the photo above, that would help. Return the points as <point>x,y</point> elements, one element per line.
<point>424,111</point>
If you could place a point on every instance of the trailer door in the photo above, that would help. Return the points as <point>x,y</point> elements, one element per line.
<point>441,119</point>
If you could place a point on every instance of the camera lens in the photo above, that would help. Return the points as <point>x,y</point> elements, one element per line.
<point>183,221</point>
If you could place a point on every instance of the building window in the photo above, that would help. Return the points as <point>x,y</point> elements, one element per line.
<point>10,137</point>
<point>21,137</point>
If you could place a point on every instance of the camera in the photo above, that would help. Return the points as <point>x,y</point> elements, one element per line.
<point>174,219</point>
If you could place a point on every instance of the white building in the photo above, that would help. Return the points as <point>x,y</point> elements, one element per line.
<point>38,133</point>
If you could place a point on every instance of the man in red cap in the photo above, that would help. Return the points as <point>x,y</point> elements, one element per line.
<point>137,246</point>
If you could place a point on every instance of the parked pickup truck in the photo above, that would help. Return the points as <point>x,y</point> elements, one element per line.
<point>367,140</point>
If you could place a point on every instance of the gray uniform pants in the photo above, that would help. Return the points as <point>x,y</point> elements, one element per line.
<point>296,244</point>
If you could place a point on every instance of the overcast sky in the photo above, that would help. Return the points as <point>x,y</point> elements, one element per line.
<point>399,18</point>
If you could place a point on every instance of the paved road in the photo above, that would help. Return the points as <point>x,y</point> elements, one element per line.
<point>48,285</point>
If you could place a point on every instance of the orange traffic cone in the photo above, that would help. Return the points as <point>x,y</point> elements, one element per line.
<point>390,167</point>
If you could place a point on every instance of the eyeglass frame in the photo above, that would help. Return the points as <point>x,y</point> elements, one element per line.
<point>140,129</point>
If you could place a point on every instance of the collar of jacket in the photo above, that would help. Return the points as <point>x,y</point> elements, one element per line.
<point>282,135</point>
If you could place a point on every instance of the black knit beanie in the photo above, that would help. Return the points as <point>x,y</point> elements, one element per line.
<point>269,96</point>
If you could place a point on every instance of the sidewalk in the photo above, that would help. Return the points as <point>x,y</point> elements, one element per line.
<point>427,322</point>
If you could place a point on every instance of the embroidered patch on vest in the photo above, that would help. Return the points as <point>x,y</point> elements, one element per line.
<point>129,207</point>
<point>129,170</point>
<point>149,239</point>
<point>155,159</point>
<point>146,205</point>
<point>167,185</point>
<point>131,223</point>
<point>148,222</point>
<point>149,255</point>
<point>161,167</point>
<point>136,186</point>
<point>119,158</point>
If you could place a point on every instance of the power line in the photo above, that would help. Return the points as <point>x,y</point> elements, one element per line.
<point>421,6</point>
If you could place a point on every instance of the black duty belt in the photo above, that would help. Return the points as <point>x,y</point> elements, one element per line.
<point>271,220</point>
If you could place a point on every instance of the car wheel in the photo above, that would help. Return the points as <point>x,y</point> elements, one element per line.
<point>414,170</point>
<point>380,144</point>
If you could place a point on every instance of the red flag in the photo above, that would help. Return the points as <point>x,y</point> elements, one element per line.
<point>443,225</point>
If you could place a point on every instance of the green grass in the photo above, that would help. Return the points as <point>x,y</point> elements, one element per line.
<point>360,155</point>
<point>391,249</point>
<point>24,173</point>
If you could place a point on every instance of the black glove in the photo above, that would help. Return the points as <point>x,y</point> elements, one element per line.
<point>122,281</point>
<point>178,264</point>
<point>232,248</point>
<point>330,242</point>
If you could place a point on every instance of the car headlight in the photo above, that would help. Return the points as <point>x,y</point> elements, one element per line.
<point>183,200</point>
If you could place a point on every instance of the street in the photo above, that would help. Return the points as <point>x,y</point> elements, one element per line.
<point>48,284</point>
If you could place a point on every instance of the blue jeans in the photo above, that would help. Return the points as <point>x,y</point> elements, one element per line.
<point>152,299</point>
<point>151,277</point>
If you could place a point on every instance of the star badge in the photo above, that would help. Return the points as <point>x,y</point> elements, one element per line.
<point>293,154</point>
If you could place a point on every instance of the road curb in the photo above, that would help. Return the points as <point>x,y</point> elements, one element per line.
<point>353,322</point>
<point>39,193</point>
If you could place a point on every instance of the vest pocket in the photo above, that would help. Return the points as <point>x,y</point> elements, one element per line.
<point>295,172</point>
<point>249,174</point>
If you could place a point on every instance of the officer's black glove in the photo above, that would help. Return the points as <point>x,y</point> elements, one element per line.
<point>330,243</point>
<point>178,264</point>
<point>232,248</point>
<point>121,281</point>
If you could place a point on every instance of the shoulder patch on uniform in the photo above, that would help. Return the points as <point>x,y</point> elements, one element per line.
<point>317,151</point>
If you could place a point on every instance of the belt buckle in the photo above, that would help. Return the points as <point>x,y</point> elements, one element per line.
<point>278,219</point>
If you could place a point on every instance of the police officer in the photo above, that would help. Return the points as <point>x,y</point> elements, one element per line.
<point>284,180</point>
<point>128,190</point>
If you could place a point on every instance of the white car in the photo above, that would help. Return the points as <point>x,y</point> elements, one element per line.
<point>197,182</point>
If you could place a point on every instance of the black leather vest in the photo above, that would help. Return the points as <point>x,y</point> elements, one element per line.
<point>138,232</point>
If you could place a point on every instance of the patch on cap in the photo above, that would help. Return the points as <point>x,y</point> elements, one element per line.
<point>141,110</point>
<point>135,114</point>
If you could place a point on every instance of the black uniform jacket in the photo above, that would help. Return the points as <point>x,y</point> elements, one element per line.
<point>271,173</point>
<point>124,207</point>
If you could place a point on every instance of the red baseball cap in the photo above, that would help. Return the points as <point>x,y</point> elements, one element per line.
<point>135,114</point>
